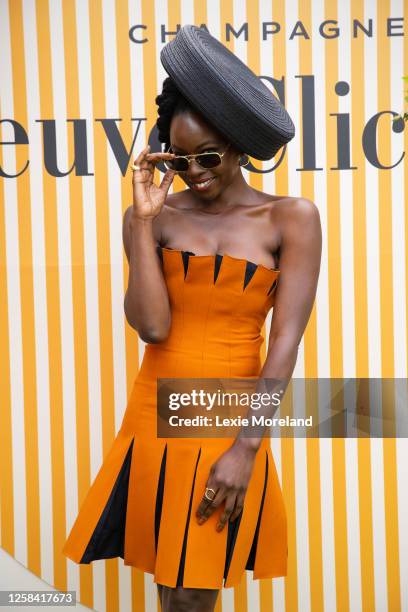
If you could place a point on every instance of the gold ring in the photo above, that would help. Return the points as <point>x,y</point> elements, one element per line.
<point>134,167</point>
<point>206,496</point>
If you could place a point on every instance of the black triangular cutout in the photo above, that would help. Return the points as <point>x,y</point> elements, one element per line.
<point>185,255</point>
<point>275,282</point>
<point>251,558</point>
<point>217,265</point>
<point>180,576</point>
<point>159,498</point>
<point>108,538</point>
<point>250,269</point>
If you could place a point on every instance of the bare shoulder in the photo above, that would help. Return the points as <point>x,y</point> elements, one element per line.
<point>294,206</point>
<point>291,214</point>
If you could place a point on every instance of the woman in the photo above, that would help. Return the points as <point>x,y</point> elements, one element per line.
<point>205,266</point>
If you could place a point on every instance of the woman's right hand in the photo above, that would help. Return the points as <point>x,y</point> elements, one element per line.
<point>148,198</point>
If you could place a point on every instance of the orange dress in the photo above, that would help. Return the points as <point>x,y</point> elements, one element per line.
<point>142,503</point>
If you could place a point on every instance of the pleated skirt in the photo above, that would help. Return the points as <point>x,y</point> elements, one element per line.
<point>142,507</point>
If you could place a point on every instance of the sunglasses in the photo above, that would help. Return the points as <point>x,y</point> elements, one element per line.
<point>181,163</point>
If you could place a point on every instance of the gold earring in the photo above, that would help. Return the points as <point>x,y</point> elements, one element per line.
<point>241,158</point>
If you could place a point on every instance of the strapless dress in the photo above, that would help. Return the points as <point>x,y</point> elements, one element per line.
<point>141,505</point>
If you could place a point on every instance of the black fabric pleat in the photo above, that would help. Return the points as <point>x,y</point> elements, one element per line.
<point>249,272</point>
<point>251,558</point>
<point>233,529</point>
<point>108,538</point>
<point>159,498</point>
<point>250,267</point>
<point>185,255</point>
<point>275,282</point>
<point>218,260</point>
<point>180,576</point>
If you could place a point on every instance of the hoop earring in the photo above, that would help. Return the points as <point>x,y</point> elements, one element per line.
<point>243,160</point>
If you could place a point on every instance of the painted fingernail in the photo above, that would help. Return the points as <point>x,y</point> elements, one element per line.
<point>219,527</point>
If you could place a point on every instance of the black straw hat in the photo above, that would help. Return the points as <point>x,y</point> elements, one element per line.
<point>227,93</point>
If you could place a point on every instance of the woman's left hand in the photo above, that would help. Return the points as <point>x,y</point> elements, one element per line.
<point>229,478</point>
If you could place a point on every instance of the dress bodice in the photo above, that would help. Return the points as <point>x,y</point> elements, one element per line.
<point>218,307</point>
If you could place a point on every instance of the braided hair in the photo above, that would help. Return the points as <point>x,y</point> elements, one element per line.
<point>170,102</point>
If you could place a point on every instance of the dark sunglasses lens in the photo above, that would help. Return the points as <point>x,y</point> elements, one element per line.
<point>179,165</point>
<point>208,160</point>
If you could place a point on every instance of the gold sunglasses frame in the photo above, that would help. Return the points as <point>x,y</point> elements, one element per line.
<point>194,155</point>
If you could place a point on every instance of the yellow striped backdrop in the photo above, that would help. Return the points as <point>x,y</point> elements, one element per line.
<point>68,358</point>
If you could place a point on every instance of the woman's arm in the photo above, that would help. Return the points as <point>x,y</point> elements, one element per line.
<point>299,263</point>
<point>146,301</point>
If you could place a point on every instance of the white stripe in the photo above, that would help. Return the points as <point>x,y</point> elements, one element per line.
<point>402,482</point>
<point>268,185</point>
<point>348,314</point>
<point>322,304</point>
<point>372,210</point>
<point>374,320</point>
<point>266,67</point>
<point>279,582</point>
<point>213,18</point>
<point>136,69</point>
<point>160,8</point>
<point>186,11</point>
<point>320,184</point>
<point>137,76</point>
<point>353,524</point>
<point>125,586</point>
<point>327,515</point>
<point>397,87</point>
<point>346,199</point>
<point>100,587</point>
<point>11,209</point>
<point>239,44</point>
<point>379,535</point>
<point>151,593</point>
<point>302,502</point>
<point>398,201</point>
<point>138,102</point>
<point>293,104</point>
<point>253,594</point>
<point>227,599</point>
